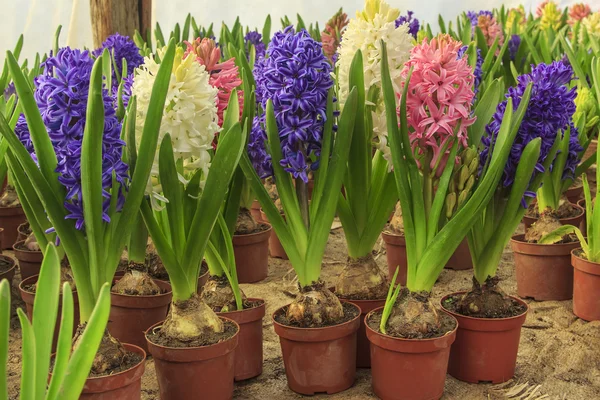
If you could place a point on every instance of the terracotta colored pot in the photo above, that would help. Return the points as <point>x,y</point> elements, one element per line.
<point>485,349</point>
<point>131,316</point>
<point>252,256</point>
<point>586,288</point>
<point>395,247</point>
<point>249,353</point>
<point>363,346</point>
<point>10,219</point>
<point>189,372</point>
<point>276,250</point>
<point>544,271</point>
<point>527,221</point>
<point>408,369</point>
<point>319,360</point>
<point>583,224</point>
<point>202,279</point>
<point>126,385</point>
<point>461,258</point>
<point>23,232</point>
<point>255,211</point>
<point>29,298</point>
<point>30,262</point>
<point>574,193</point>
<point>9,274</point>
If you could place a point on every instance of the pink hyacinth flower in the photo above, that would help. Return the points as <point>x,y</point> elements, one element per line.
<point>491,30</point>
<point>223,75</point>
<point>577,12</point>
<point>439,98</point>
<point>332,34</point>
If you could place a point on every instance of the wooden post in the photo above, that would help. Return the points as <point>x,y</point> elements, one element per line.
<point>122,16</point>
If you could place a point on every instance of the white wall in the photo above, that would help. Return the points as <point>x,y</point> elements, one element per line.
<point>38,19</point>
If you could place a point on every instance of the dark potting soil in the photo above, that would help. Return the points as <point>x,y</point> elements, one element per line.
<point>259,228</point>
<point>566,210</point>
<point>5,265</point>
<point>157,337</point>
<point>447,325</point>
<point>350,312</point>
<point>516,308</point>
<point>130,360</point>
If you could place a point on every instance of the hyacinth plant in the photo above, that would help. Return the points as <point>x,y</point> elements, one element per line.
<point>542,132</point>
<point>188,183</point>
<point>90,197</point>
<point>70,369</point>
<point>297,132</point>
<point>433,225</point>
<point>369,185</point>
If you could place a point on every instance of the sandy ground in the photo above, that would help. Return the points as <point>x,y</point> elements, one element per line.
<point>559,354</point>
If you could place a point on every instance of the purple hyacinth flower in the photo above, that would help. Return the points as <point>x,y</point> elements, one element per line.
<point>413,23</point>
<point>477,71</point>
<point>122,48</point>
<point>513,46</point>
<point>255,39</point>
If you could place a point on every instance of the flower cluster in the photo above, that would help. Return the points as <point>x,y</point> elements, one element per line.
<point>190,114</point>
<point>550,111</point>
<point>254,38</point>
<point>413,23</point>
<point>586,107</point>
<point>61,93</point>
<point>513,46</point>
<point>296,77</point>
<point>223,75</point>
<point>477,71</point>
<point>518,18</point>
<point>577,12</point>
<point>489,26</point>
<point>439,98</point>
<point>332,34</point>
<point>551,16</point>
<point>121,47</point>
<point>539,11</point>
<point>591,23</point>
<point>375,23</point>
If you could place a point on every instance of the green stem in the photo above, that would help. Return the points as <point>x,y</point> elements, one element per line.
<point>138,242</point>
<point>302,193</point>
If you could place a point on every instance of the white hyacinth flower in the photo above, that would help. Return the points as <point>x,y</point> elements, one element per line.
<point>190,115</point>
<point>376,22</point>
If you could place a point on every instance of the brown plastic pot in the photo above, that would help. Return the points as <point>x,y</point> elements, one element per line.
<point>255,211</point>
<point>249,352</point>
<point>319,360</point>
<point>586,288</point>
<point>189,372</point>
<point>202,279</point>
<point>30,262</point>
<point>461,258</point>
<point>10,219</point>
<point>575,221</point>
<point>408,369</point>
<point>23,231</point>
<point>276,250</point>
<point>131,316</point>
<point>485,349</point>
<point>29,298</point>
<point>363,346</point>
<point>395,246</point>
<point>573,194</point>
<point>126,385</point>
<point>583,224</point>
<point>9,274</point>
<point>543,271</point>
<point>252,256</point>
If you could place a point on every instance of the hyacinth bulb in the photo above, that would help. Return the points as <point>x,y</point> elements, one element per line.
<point>439,97</point>
<point>223,75</point>
<point>332,34</point>
<point>577,12</point>
<point>551,16</point>
<point>375,23</point>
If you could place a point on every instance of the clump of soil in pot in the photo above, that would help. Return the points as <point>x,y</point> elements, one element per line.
<point>447,324</point>
<point>136,282</point>
<point>565,210</point>
<point>218,294</point>
<point>414,316</point>
<point>5,265</point>
<point>361,279</point>
<point>111,357</point>
<point>349,313</point>
<point>158,337</point>
<point>547,223</point>
<point>315,306</point>
<point>485,301</point>
<point>246,224</point>
<point>9,198</point>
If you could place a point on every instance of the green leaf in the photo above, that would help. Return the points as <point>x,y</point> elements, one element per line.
<point>4,333</point>
<point>484,111</point>
<point>557,235</point>
<point>186,28</point>
<point>266,31</point>
<point>28,360</point>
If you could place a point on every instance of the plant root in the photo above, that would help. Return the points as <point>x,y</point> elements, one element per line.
<point>315,306</point>
<point>190,319</point>
<point>246,223</point>
<point>136,283</point>
<point>218,294</point>
<point>361,279</point>
<point>413,315</point>
<point>484,301</point>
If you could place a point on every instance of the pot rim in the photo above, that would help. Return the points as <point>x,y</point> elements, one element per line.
<point>406,340</point>
<point>12,211</point>
<point>153,296</point>
<point>584,265</point>
<point>527,308</point>
<point>36,276</point>
<point>159,324</point>
<point>10,259</point>
<point>252,235</point>
<point>564,219</point>
<point>298,329</point>
<point>15,249</point>
<point>129,347</point>
<point>517,239</point>
<point>365,301</point>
